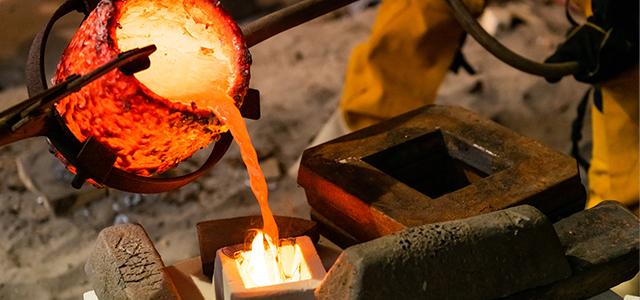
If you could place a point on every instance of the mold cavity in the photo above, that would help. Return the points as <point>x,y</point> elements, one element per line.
<point>436,163</point>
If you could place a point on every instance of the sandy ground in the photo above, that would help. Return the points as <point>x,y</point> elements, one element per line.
<point>300,75</point>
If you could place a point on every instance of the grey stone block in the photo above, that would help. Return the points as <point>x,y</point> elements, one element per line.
<point>602,247</point>
<point>483,257</point>
<point>125,265</point>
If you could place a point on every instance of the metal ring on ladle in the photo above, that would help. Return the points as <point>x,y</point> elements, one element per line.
<point>471,26</point>
<point>90,158</point>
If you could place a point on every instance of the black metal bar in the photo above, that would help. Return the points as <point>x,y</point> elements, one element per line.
<point>250,108</point>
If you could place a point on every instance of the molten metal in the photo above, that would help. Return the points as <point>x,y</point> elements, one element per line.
<point>268,264</point>
<point>254,274</point>
<point>163,115</point>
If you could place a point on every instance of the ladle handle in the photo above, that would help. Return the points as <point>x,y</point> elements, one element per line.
<point>36,127</point>
<point>294,15</point>
<point>287,18</point>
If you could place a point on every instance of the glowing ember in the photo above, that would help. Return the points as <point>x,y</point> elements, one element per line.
<point>266,264</point>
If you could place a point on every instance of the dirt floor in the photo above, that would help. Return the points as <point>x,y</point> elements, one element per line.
<point>47,228</point>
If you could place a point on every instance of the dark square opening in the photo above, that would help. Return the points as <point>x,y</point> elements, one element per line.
<point>435,164</point>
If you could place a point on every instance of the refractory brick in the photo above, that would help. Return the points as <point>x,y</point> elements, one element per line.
<point>125,265</point>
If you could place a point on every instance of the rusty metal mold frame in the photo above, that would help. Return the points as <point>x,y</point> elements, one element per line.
<point>348,194</point>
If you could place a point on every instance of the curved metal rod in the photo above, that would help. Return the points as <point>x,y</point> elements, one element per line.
<point>287,18</point>
<point>149,185</point>
<point>36,80</point>
<point>471,26</point>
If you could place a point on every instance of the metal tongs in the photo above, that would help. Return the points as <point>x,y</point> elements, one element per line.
<point>31,110</point>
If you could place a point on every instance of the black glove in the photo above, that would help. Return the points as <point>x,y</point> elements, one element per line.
<point>604,46</point>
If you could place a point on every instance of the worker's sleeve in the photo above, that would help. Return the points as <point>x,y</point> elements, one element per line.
<point>401,65</point>
<point>614,171</point>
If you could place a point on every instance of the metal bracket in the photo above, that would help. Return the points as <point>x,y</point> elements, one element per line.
<point>98,158</point>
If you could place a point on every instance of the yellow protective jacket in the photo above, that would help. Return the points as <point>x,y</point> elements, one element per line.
<point>409,51</point>
<point>614,164</point>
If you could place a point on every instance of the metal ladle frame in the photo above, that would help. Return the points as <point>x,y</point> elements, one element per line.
<point>90,158</point>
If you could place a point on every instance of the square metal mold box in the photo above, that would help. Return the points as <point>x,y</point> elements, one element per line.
<point>433,164</point>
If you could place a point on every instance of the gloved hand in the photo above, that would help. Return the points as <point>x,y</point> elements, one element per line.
<point>604,46</point>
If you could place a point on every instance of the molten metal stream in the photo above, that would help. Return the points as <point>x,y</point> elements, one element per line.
<point>226,110</point>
